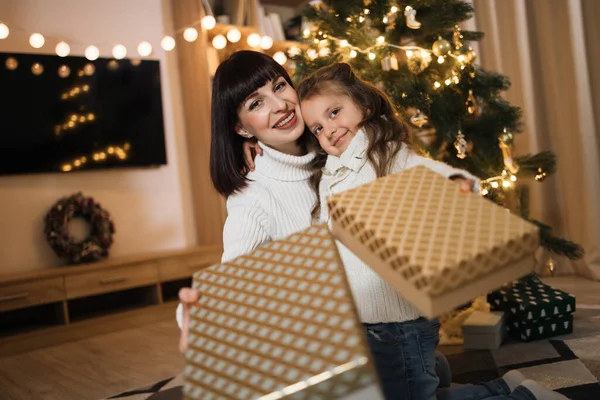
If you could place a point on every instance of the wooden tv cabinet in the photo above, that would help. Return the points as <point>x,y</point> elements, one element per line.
<point>52,306</point>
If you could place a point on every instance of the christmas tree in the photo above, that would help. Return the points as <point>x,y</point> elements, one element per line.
<point>415,51</point>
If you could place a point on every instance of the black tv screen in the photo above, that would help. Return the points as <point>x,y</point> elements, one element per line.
<point>71,114</point>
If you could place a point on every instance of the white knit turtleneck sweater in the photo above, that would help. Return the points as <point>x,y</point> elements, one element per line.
<point>376,301</point>
<point>276,203</point>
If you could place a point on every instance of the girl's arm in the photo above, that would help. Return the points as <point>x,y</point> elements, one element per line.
<point>411,159</point>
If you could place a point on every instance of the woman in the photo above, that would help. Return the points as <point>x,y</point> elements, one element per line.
<point>253,99</point>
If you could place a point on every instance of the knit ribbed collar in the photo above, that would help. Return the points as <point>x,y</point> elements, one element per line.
<point>281,166</point>
<point>352,158</point>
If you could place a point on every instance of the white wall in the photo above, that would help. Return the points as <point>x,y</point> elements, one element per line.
<point>151,207</point>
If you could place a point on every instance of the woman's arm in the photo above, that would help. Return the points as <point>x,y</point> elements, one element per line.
<point>246,228</point>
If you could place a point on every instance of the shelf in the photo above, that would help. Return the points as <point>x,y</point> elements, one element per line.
<point>47,307</point>
<point>24,320</point>
<point>111,303</point>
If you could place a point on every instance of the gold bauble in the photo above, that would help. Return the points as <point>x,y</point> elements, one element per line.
<point>419,119</point>
<point>64,71</point>
<point>37,68</point>
<point>441,47</point>
<point>12,63</point>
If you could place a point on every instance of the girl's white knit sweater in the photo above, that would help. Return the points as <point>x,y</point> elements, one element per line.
<point>375,300</point>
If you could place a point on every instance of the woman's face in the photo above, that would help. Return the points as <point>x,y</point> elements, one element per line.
<point>272,115</point>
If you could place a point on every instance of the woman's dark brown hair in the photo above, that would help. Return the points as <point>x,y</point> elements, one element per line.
<point>236,78</point>
<point>385,131</point>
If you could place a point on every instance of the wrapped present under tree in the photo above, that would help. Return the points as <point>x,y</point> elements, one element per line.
<point>534,310</point>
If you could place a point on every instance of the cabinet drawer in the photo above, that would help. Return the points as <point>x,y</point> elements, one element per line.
<point>110,280</point>
<point>32,293</point>
<point>184,267</point>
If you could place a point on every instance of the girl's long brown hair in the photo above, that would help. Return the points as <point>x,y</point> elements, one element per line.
<point>385,131</point>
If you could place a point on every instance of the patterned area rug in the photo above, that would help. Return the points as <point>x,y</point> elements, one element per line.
<point>569,364</point>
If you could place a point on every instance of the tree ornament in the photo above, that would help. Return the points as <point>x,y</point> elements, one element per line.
<point>419,119</point>
<point>411,18</point>
<point>471,102</point>
<point>441,47</point>
<point>461,145</point>
<point>506,141</point>
<point>389,62</point>
<point>457,38</point>
<point>541,175</point>
<point>470,55</point>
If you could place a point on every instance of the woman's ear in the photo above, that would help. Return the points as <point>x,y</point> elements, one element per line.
<point>242,132</point>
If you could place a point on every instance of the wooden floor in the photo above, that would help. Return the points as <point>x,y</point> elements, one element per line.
<point>111,363</point>
<point>94,368</point>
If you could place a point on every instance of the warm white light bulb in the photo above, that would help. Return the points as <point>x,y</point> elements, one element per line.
<point>294,51</point>
<point>253,40</point>
<point>371,56</point>
<point>208,22</point>
<point>167,43</point>
<point>441,59</point>
<point>266,42</point>
<point>63,49</point>
<point>92,53</point>
<point>36,40</point>
<point>448,81</point>
<point>353,54</point>
<point>324,52</point>
<point>190,34</point>
<point>219,42</point>
<point>394,9</point>
<point>513,178</point>
<point>280,57</point>
<point>436,85</point>
<point>494,185</point>
<point>409,53</point>
<point>312,54</point>
<point>119,52</point>
<point>144,49</point>
<point>4,31</point>
<point>343,43</point>
<point>234,35</point>
<point>461,58</point>
<point>380,40</point>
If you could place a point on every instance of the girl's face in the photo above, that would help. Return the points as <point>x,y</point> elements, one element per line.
<point>272,115</point>
<point>334,119</point>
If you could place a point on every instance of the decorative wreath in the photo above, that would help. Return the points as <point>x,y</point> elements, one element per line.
<point>93,248</point>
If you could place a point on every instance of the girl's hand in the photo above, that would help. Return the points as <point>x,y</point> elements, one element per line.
<point>251,150</point>
<point>466,185</point>
<point>187,296</point>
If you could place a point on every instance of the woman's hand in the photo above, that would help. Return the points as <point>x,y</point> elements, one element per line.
<point>251,150</point>
<point>187,296</point>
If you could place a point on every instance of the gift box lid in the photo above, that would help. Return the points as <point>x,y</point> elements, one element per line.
<point>419,225</point>
<point>530,299</point>
<point>276,322</point>
<point>483,323</point>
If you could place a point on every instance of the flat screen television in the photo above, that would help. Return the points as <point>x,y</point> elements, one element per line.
<point>70,114</point>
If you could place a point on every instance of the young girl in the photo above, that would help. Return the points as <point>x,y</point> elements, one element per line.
<point>363,139</point>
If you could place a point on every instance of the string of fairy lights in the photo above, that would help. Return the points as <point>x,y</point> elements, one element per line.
<point>145,49</point>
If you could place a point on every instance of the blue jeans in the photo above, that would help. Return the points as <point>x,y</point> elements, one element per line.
<point>404,355</point>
